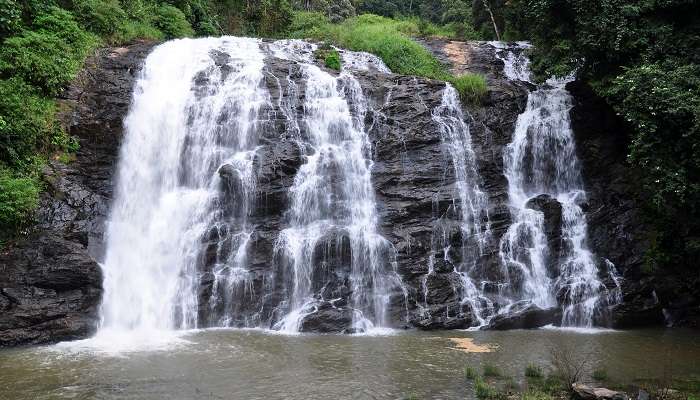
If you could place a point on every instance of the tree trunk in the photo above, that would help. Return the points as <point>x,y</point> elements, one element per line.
<point>493,20</point>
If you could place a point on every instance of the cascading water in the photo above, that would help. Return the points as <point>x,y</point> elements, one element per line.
<point>180,229</point>
<point>332,201</point>
<point>192,122</point>
<point>541,165</point>
<point>470,204</point>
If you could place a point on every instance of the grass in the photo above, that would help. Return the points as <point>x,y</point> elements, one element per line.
<point>483,390</point>
<point>536,395</point>
<point>470,372</point>
<point>491,370</point>
<point>390,40</point>
<point>533,371</point>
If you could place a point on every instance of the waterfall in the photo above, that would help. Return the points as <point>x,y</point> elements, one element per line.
<point>175,163</point>
<point>181,226</point>
<point>470,204</point>
<point>332,201</point>
<point>541,166</point>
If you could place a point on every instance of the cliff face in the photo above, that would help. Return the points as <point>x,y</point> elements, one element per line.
<point>50,285</point>
<point>50,281</point>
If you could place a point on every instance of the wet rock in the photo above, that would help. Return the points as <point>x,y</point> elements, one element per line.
<point>527,317</point>
<point>328,319</point>
<point>584,392</point>
<point>49,291</point>
<point>552,210</point>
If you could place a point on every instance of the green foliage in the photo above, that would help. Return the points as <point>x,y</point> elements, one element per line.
<point>642,58</point>
<point>49,56</point>
<point>470,372</point>
<point>275,17</point>
<point>471,87</point>
<point>536,395</point>
<point>483,390</point>
<point>103,17</point>
<point>600,374</point>
<point>19,197</point>
<point>172,22</point>
<point>27,122</point>
<point>491,370</point>
<point>10,17</point>
<point>533,371</point>
<point>332,60</point>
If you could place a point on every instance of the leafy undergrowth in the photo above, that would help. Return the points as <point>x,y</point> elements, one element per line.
<point>390,40</point>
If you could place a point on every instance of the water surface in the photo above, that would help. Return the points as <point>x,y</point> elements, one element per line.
<point>251,364</point>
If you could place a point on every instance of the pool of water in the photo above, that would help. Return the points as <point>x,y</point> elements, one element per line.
<point>249,364</point>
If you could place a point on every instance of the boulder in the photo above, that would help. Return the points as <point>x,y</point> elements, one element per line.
<point>529,317</point>
<point>585,392</point>
<point>328,319</point>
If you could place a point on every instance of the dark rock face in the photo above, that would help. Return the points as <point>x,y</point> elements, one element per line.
<point>50,291</point>
<point>525,316</point>
<point>50,282</point>
<point>551,208</point>
<point>328,318</point>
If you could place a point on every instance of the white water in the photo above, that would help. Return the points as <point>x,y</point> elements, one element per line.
<point>168,183</point>
<point>332,199</point>
<point>541,159</point>
<point>470,204</point>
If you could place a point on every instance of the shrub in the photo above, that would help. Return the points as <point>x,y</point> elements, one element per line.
<point>307,24</point>
<point>103,17</point>
<point>19,196</point>
<point>569,364</point>
<point>471,87</point>
<point>50,56</point>
<point>470,373</point>
<point>130,30</point>
<point>172,22</point>
<point>491,370</point>
<point>27,122</point>
<point>483,390</point>
<point>533,371</point>
<point>331,59</point>
<point>10,17</point>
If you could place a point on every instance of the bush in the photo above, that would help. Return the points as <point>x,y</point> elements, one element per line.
<point>533,371</point>
<point>172,22</point>
<point>10,17</point>
<point>103,17</point>
<point>27,122</point>
<point>536,395</point>
<point>19,196</point>
<point>50,56</point>
<point>307,24</point>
